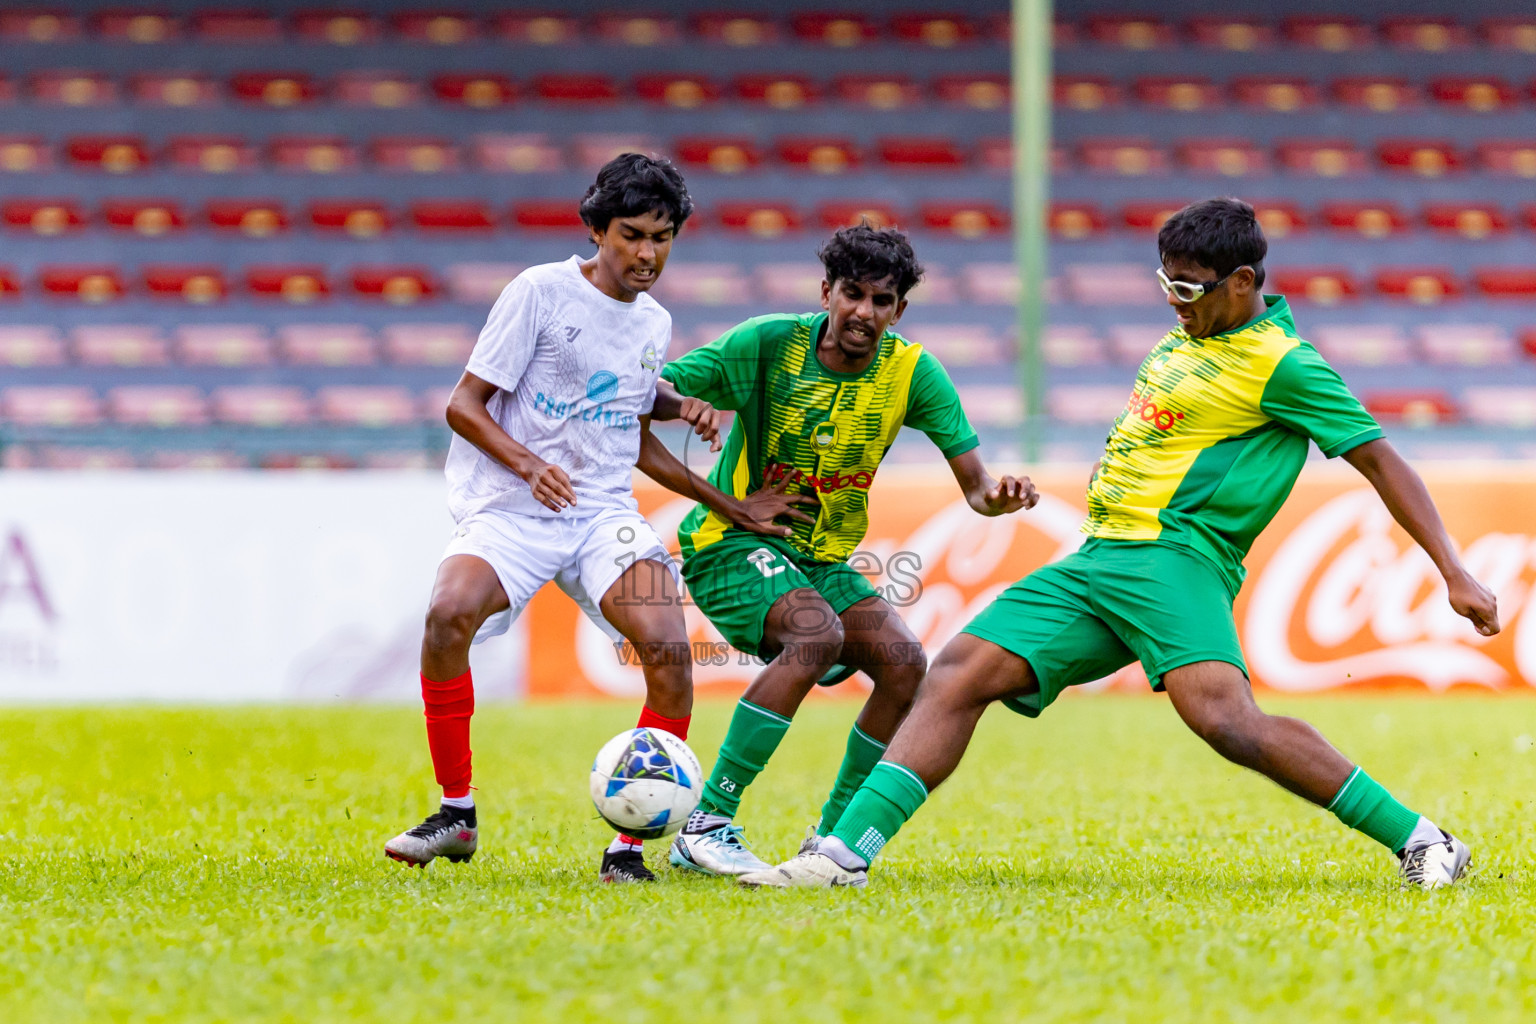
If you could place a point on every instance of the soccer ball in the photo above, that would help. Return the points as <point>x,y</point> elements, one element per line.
<point>646,782</point>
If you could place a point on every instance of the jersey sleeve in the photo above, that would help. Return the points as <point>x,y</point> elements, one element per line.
<point>723,373</point>
<point>506,343</point>
<point>934,407</point>
<point>1307,395</point>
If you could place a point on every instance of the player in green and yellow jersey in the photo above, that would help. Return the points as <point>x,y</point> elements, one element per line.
<point>819,398</point>
<point>1204,454</point>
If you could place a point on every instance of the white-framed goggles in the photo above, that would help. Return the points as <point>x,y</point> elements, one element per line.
<point>1188,291</point>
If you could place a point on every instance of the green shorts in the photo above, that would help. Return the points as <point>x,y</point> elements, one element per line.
<point>1107,605</point>
<point>736,580</point>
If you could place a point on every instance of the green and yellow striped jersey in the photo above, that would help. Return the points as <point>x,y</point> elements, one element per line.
<point>1214,436</point>
<point>792,413</point>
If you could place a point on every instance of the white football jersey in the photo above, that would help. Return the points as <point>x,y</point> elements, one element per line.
<point>576,369</point>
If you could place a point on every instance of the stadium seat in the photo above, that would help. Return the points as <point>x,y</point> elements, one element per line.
<point>1480,95</point>
<point>1369,220</point>
<point>1279,218</point>
<point>1325,286</point>
<point>797,284</point>
<point>591,150</point>
<point>1085,92</point>
<point>93,283</point>
<point>428,344</point>
<point>1380,94</point>
<point>46,217</point>
<point>409,458</point>
<point>157,89</point>
<point>50,407</point>
<point>1324,158</point>
<point>480,91</point>
<point>1500,406</point>
<point>819,154</point>
<point>978,92</point>
<point>360,218</point>
<point>72,89</point>
<point>1227,157</point>
<point>306,461</point>
<point>1415,408</point>
<point>1073,221</point>
<point>148,217</point>
<point>387,90</point>
<point>119,345</point>
<point>705,284</point>
<point>452,215</point>
<point>38,26</point>
<point>10,287</point>
<point>938,286</point>
<point>637,29</point>
<point>296,283</point>
<point>840,28</point>
<point>961,344</point>
<point>85,457</point>
<point>782,92</point>
<point>194,459</point>
<point>24,346</point>
<point>966,219</point>
<point>1426,158</point>
<point>1512,158</point>
<point>227,345</point>
<point>995,154</point>
<point>1064,345</point>
<point>1240,35</point>
<point>1129,32</point>
<point>440,28</point>
<point>941,30</point>
<point>1423,285</point>
<point>279,89</point>
<point>718,153</point>
<point>195,283</point>
<point>1428,35</point>
<point>313,154</point>
<point>157,406</point>
<point>124,25</point>
<point>21,153</point>
<point>685,92</point>
<point>1132,343</point>
<point>1089,405</point>
<point>834,215</point>
<point>516,153</point>
<point>1148,216</point>
<point>561,215</point>
<point>355,406</point>
<point>213,154</point>
<point>576,90</point>
<point>1469,220</point>
<point>394,284</point>
<point>1126,157</point>
<point>254,218</point>
<point>1511,33</point>
<point>1362,344</point>
<point>432,404</point>
<point>115,154</point>
<point>1506,282</point>
<point>992,405</point>
<point>761,220</point>
<point>260,406</point>
<point>416,154</point>
<point>1113,284</point>
<point>1183,93</point>
<point>1281,94</point>
<point>236,26</point>
<point>336,27</point>
<point>326,345</point>
<point>479,284</point>
<point>991,284</point>
<point>735,29</point>
<point>1462,344</point>
<point>536,28</point>
<point>882,92</point>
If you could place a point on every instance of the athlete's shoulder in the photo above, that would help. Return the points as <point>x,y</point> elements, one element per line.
<point>545,274</point>
<point>648,306</point>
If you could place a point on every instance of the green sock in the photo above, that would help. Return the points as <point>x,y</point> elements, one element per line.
<point>890,796</point>
<point>750,741</point>
<point>1363,803</point>
<point>862,755</point>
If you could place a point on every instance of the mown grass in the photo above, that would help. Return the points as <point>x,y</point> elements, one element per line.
<point>1099,863</point>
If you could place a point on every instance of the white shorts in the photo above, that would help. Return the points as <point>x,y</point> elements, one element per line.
<point>584,555</point>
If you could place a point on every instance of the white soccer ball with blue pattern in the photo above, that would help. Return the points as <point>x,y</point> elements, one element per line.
<point>646,782</point>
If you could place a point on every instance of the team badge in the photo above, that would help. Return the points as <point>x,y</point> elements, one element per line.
<point>824,434</point>
<point>648,358</point>
<point>602,386</point>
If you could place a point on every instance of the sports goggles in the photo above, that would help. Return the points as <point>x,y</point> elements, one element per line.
<point>1187,291</point>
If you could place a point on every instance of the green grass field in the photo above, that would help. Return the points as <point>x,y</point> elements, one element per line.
<point>1098,863</point>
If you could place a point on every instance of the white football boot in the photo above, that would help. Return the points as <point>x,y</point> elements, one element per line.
<point>807,871</point>
<point>450,832</point>
<point>1434,864</point>
<point>811,843</point>
<point>717,851</point>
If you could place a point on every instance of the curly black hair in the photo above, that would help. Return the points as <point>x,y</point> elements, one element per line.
<point>866,253</point>
<point>1222,234</point>
<point>631,185</point>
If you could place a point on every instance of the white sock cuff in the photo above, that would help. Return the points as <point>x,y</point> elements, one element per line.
<point>463,802</point>
<point>838,850</point>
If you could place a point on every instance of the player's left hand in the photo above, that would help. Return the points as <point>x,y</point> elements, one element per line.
<point>1010,494</point>
<point>704,418</point>
<point>1475,602</point>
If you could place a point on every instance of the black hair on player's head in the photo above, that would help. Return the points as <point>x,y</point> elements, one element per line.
<point>866,253</point>
<point>632,185</point>
<point>1222,234</point>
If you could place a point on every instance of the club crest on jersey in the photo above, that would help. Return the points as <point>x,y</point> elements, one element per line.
<point>648,358</point>
<point>824,434</point>
<point>571,333</point>
<point>602,386</point>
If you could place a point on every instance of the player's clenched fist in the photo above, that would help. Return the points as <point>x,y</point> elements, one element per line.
<point>1010,494</point>
<point>1476,602</point>
<point>550,485</point>
<point>704,418</point>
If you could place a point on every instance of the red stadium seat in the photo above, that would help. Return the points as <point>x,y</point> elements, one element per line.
<point>115,154</point>
<point>1113,284</point>
<point>819,154</point>
<point>516,153</point>
<point>366,406</point>
<point>136,26</point>
<point>591,151</point>
<point>1075,221</point>
<point>299,284</point>
<point>735,29</point>
<point>547,215</point>
<point>995,154</point>
<point>21,153</point>
<point>327,345</point>
<point>452,215</point>
<point>536,28</point>
<point>966,219</point>
<point>1325,158</point>
<point>1426,158</point>
<point>1325,286</point>
<point>761,220</point>
<point>1279,93</point>
<point>313,154</point>
<point>1376,93</point>
<point>23,346</point>
<point>239,26</point>
<point>1506,282</point>
<point>637,29</point>
<point>195,283</point>
<point>1469,344</point>
<point>941,30</point>
<point>148,217</point>
<point>43,216</point>
<point>1499,406</point>
<point>576,90</point>
<point>782,92</point>
<point>1428,35</point>
<point>480,284</point>
<point>1241,35</point>
<point>1227,157</point>
<point>1184,93</point>
<point>1131,343</point>
<point>1085,92</point>
<point>336,27</point>
<point>834,28</point>
<point>38,26</point>
<point>1415,408</point>
<point>73,89</point>
<point>979,92</point>
<point>721,154</point>
<point>360,218</point>
<point>120,345</point>
<point>214,154</point>
<point>1125,157</point>
<point>882,92</point>
<point>275,88</point>
<point>1511,33</point>
<point>254,218</point>
<point>261,406</point>
<point>387,90</point>
<point>920,153</point>
<point>964,344</point>
<point>685,92</point>
<point>415,154</point>
<point>50,407</point>
<point>1071,346</point>
<point>1089,405</point>
<point>1507,157</point>
<point>440,28</point>
<point>428,344</point>
<point>1481,94</point>
<point>1279,218</point>
<point>1423,285</point>
<point>1362,344</point>
<point>93,283</point>
<point>481,91</point>
<point>396,285</point>
<point>1469,220</point>
<point>1130,32</point>
<point>1370,220</point>
<point>162,406</point>
<point>1331,33</point>
<point>10,287</point>
<point>1148,216</point>
<point>704,284</point>
<point>227,345</point>
<point>834,215</point>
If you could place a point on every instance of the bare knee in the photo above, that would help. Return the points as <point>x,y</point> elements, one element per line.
<point>899,680</point>
<point>1234,729</point>
<point>451,624</point>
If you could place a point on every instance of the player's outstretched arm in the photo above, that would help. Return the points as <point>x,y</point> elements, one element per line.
<point>673,405</point>
<point>755,513</point>
<point>468,417</point>
<point>988,496</point>
<point>1402,490</point>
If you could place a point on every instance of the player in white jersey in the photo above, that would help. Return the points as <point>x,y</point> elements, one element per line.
<point>547,423</point>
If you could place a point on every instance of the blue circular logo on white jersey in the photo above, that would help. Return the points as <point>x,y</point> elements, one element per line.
<point>602,386</point>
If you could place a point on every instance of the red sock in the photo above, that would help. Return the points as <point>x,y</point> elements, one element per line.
<point>449,705</point>
<point>651,720</point>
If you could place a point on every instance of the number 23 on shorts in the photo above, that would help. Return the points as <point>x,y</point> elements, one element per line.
<point>764,560</point>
